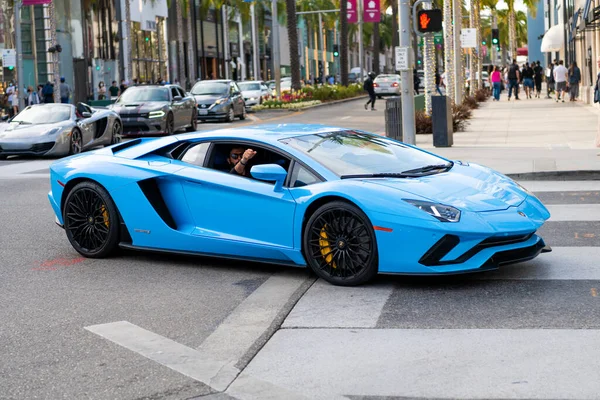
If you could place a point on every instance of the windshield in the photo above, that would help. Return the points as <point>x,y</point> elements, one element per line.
<point>246,86</point>
<point>354,153</point>
<point>214,88</point>
<point>143,94</point>
<point>44,114</point>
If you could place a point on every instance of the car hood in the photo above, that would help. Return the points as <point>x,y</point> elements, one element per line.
<point>468,188</point>
<point>139,108</point>
<point>207,98</point>
<point>22,131</point>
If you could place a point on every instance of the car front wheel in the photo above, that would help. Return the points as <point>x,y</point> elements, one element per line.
<point>170,125</point>
<point>339,244</point>
<point>76,143</point>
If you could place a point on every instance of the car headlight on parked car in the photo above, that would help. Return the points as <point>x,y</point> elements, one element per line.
<point>156,114</point>
<point>440,211</point>
<point>221,101</point>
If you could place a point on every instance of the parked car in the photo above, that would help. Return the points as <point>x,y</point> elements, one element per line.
<point>252,91</point>
<point>484,78</point>
<point>155,110</point>
<point>387,85</point>
<point>58,130</point>
<point>345,203</point>
<point>219,99</point>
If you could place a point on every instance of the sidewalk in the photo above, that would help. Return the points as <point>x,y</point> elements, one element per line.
<point>529,135</point>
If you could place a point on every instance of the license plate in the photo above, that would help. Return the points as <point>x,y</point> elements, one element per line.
<point>203,112</point>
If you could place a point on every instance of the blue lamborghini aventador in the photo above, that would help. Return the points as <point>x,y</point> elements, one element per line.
<point>346,203</point>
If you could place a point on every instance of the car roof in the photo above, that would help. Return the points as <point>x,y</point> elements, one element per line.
<point>250,82</point>
<point>215,81</point>
<point>267,132</point>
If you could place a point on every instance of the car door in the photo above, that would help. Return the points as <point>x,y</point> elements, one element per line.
<point>86,125</point>
<point>237,98</point>
<point>238,209</point>
<point>178,108</point>
<point>189,109</point>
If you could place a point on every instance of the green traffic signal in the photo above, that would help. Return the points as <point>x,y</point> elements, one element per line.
<point>147,39</point>
<point>483,43</point>
<point>97,68</point>
<point>495,41</point>
<point>11,68</point>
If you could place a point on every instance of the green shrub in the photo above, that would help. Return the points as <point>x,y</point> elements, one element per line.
<point>460,115</point>
<point>482,95</point>
<point>423,123</point>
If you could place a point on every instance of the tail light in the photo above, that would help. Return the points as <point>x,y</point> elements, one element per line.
<point>375,85</point>
<point>395,84</point>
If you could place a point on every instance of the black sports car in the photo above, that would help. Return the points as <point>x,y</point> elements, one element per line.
<point>219,100</point>
<point>155,110</point>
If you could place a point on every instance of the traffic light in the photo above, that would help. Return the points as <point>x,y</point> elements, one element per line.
<point>11,68</point>
<point>484,42</point>
<point>495,36</point>
<point>336,50</point>
<point>429,21</point>
<point>147,39</point>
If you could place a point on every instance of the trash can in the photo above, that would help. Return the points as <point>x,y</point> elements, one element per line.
<point>393,118</point>
<point>441,118</point>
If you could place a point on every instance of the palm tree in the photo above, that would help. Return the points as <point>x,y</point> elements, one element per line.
<point>180,53</point>
<point>190,40</point>
<point>344,42</point>
<point>292,28</point>
<point>376,46</point>
<point>531,6</point>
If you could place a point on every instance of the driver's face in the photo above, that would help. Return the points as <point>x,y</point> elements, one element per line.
<point>235,155</point>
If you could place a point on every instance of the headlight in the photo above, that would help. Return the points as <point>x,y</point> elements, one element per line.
<point>523,188</point>
<point>221,101</point>
<point>156,114</point>
<point>253,98</point>
<point>52,131</point>
<point>441,212</point>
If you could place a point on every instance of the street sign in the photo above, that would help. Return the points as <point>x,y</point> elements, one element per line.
<point>438,38</point>
<point>371,11</point>
<point>468,37</point>
<point>9,58</point>
<point>402,59</point>
<point>352,12</point>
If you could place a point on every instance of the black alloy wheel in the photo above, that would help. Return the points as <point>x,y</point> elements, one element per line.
<point>117,132</point>
<point>91,220</point>
<point>170,127</point>
<point>339,244</point>
<point>194,124</point>
<point>76,144</point>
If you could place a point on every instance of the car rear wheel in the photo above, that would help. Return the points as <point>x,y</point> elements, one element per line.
<point>230,115</point>
<point>339,244</point>
<point>170,127</point>
<point>117,132</point>
<point>243,116</point>
<point>194,124</point>
<point>76,143</point>
<point>91,220</point>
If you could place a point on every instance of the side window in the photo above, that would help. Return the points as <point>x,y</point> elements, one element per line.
<point>302,176</point>
<point>234,88</point>
<point>181,92</point>
<point>174,92</point>
<point>195,155</point>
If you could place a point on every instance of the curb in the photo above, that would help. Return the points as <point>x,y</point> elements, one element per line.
<point>582,175</point>
<point>329,103</point>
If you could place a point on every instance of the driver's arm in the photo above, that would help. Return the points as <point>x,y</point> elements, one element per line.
<point>240,167</point>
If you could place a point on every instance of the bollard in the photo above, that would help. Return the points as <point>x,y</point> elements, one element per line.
<point>393,118</point>
<point>441,118</point>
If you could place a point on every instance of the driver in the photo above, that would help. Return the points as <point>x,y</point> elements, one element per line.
<point>238,158</point>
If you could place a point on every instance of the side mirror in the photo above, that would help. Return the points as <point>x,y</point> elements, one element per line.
<point>177,98</point>
<point>270,172</point>
<point>86,114</point>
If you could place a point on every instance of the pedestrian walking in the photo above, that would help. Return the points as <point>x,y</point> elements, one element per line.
<point>574,79</point>
<point>15,101</point>
<point>538,75</point>
<point>113,90</point>
<point>496,83</point>
<point>10,92</point>
<point>527,75</point>
<point>65,90</point>
<point>48,93</point>
<point>513,79</point>
<point>101,91</point>
<point>550,80</point>
<point>439,82</point>
<point>561,75</point>
<point>32,97</point>
<point>368,86</point>
<point>416,81</point>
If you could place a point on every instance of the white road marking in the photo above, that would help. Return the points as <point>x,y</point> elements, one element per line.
<point>433,363</point>
<point>563,263</point>
<point>560,186</point>
<point>214,362</point>
<point>574,212</point>
<point>346,117</point>
<point>324,306</point>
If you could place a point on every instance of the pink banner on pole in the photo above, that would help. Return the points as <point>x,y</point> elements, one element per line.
<point>371,11</point>
<point>35,2</point>
<point>352,11</point>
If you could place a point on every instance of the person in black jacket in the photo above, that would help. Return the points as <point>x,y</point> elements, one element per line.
<point>368,86</point>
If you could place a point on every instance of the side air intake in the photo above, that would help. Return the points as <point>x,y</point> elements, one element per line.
<point>125,145</point>
<point>152,192</point>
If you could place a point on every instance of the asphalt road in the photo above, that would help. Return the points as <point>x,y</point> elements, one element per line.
<point>141,326</point>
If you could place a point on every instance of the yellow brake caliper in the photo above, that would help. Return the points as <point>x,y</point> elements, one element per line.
<point>104,212</point>
<point>325,247</point>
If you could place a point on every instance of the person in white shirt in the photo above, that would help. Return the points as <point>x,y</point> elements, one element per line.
<point>10,91</point>
<point>561,75</point>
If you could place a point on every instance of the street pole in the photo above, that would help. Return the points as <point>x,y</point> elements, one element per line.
<point>226,55</point>
<point>55,55</point>
<point>275,51</point>
<point>406,76</point>
<point>255,49</point>
<point>360,40</point>
<point>320,44</point>
<point>458,67</point>
<point>19,51</point>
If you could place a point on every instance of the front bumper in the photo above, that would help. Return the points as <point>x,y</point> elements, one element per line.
<point>37,146</point>
<point>219,113</point>
<point>143,126</point>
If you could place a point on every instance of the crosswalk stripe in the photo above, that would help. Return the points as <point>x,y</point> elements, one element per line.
<point>559,186</point>
<point>325,305</point>
<point>574,212</point>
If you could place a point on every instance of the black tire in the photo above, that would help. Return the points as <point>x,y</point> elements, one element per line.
<point>353,259</point>
<point>170,124</point>
<point>76,142</point>
<point>194,125</point>
<point>117,132</point>
<point>243,116</point>
<point>91,220</point>
<point>3,157</point>
<point>380,97</point>
<point>230,115</point>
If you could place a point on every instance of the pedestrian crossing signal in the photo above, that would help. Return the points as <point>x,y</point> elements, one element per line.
<point>429,21</point>
<point>336,50</point>
<point>495,36</point>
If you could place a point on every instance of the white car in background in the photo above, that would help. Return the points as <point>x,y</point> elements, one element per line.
<point>252,91</point>
<point>387,85</point>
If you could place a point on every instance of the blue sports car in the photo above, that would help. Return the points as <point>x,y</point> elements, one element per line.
<point>346,203</point>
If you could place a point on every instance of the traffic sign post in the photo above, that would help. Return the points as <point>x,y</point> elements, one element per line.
<point>9,58</point>
<point>402,59</point>
<point>468,38</point>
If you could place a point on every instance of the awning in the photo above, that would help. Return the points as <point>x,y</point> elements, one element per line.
<point>553,39</point>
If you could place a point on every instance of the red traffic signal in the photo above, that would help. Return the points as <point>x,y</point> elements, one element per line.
<point>429,21</point>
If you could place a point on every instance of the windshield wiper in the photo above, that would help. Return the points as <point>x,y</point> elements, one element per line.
<point>428,168</point>
<point>22,122</point>
<point>378,175</point>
